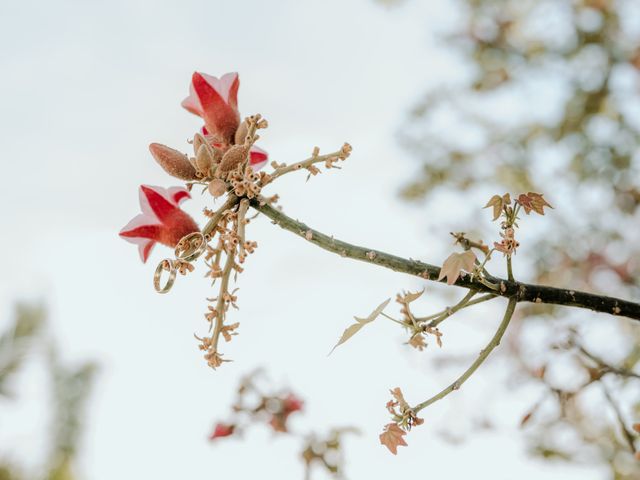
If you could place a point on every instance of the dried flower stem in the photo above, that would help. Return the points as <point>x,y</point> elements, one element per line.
<point>522,292</point>
<point>329,158</point>
<point>220,303</point>
<point>242,221</point>
<point>484,354</point>
<point>232,200</point>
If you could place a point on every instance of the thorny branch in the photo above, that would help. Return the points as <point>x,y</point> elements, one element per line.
<point>522,292</point>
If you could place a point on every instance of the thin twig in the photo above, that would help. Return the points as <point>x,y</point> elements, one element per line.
<point>329,159</point>
<point>450,311</point>
<point>606,367</point>
<point>447,312</point>
<point>628,436</point>
<point>484,354</point>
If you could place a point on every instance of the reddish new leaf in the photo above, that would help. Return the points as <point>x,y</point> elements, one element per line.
<point>391,437</point>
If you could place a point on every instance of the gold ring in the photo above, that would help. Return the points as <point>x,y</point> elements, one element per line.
<point>190,246</point>
<point>157,276</point>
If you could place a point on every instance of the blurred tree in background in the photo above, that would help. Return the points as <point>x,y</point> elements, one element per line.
<point>550,103</point>
<point>69,386</point>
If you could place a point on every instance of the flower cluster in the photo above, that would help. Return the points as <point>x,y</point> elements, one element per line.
<point>253,405</point>
<point>225,162</point>
<point>257,403</point>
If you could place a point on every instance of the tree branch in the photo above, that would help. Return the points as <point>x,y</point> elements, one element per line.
<point>522,292</point>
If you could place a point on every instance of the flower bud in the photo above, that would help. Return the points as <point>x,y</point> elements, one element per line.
<point>173,162</point>
<point>233,157</point>
<point>217,187</point>
<point>198,140</point>
<point>241,133</point>
<point>204,159</point>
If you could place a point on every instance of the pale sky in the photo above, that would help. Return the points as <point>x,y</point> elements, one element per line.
<point>86,86</point>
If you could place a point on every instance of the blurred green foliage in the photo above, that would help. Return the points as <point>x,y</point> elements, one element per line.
<point>25,339</point>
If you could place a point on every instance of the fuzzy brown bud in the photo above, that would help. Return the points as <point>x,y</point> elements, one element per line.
<point>173,162</point>
<point>204,159</point>
<point>217,187</point>
<point>241,133</point>
<point>198,140</point>
<point>233,157</point>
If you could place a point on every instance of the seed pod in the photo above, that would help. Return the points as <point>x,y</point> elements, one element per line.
<point>198,140</point>
<point>217,187</point>
<point>233,157</point>
<point>173,162</point>
<point>241,133</point>
<point>204,159</point>
<point>217,155</point>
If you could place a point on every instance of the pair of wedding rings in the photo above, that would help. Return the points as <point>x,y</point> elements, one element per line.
<point>189,248</point>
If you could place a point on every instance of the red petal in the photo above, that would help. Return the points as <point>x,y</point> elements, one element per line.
<point>192,103</point>
<point>222,430</point>
<point>161,206</point>
<point>218,115</point>
<point>258,158</point>
<point>144,249</point>
<point>143,231</point>
<point>178,194</point>
<point>233,90</point>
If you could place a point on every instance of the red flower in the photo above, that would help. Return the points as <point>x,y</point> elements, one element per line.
<point>289,404</point>
<point>161,220</point>
<point>222,430</point>
<point>292,404</point>
<point>216,101</point>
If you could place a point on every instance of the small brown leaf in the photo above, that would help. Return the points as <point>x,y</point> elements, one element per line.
<point>636,427</point>
<point>351,330</point>
<point>455,263</point>
<point>417,342</point>
<point>496,203</point>
<point>397,394</point>
<point>391,437</point>
<point>410,296</point>
<point>533,201</point>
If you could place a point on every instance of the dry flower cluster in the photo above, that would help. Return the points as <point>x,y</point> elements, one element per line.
<point>225,162</point>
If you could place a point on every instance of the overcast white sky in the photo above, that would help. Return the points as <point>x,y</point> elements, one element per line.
<point>86,86</point>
